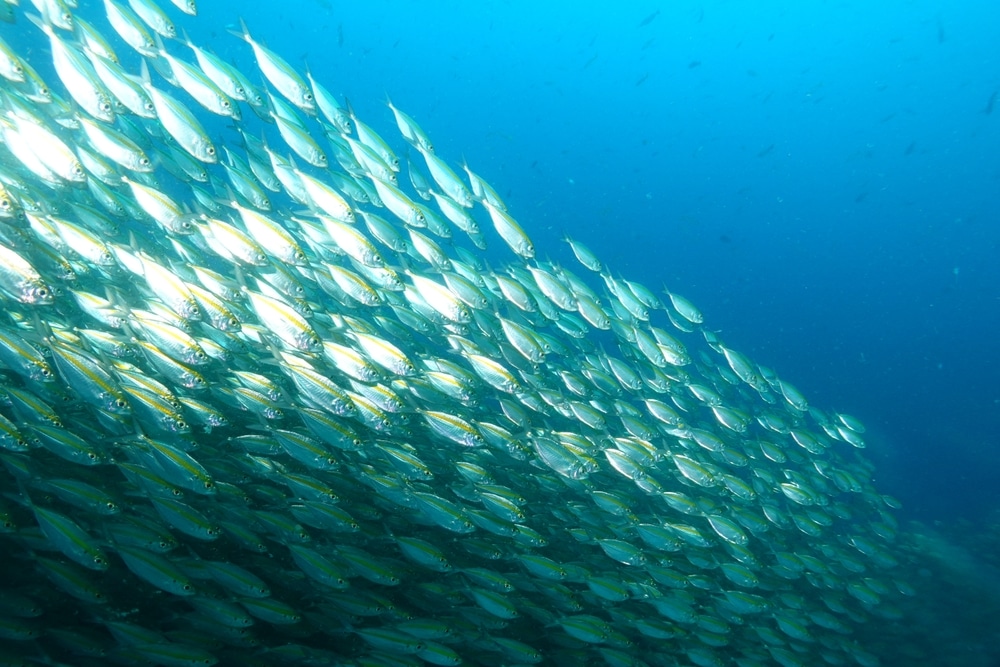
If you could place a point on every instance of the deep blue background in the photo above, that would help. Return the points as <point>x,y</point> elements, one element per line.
<point>821,179</point>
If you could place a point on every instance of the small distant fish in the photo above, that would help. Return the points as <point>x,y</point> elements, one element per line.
<point>991,102</point>
<point>642,79</point>
<point>649,19</point>
<point>765,151</point>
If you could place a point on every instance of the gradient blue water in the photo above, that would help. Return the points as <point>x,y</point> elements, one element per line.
<point>822,179</point>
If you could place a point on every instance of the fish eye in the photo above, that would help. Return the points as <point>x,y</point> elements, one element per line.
<point>92,456</point>
<point>4,203</point>
<point>120,402</point>
<point>186,587</point>
<point>105,106</point>
<point>308,97</point>
<point>233,322</point>
<point>210,150</point>
<point>144,161</point>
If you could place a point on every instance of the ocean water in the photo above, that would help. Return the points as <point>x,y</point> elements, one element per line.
<point>820,179</point>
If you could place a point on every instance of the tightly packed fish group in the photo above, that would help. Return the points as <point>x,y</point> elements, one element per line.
<point>264,402</point>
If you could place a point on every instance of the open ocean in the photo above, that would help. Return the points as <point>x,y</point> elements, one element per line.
<point>822,179</point>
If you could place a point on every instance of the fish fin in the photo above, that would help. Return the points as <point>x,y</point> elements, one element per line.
<point>43,22</point>
<point>243,33</point>
<point>161,50</point>
<point>241,280</point>
<point>145,80</point>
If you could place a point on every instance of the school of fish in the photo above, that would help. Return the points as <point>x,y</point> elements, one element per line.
<point>264,403</point>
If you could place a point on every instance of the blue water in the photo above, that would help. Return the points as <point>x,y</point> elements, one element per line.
<point>821,179</point>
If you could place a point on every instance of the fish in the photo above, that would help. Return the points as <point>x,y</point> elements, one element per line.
<point>180,123</point>
<point>649,19</point>
<point>76,73</point>
<point>991,101</point>
<point>272,410</point>
<point>129,27</point>
<point>278,72</point>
